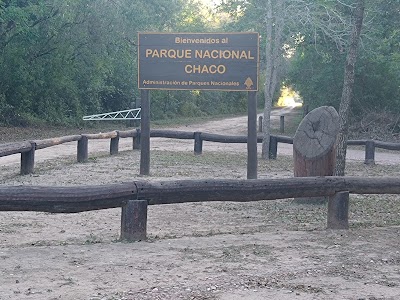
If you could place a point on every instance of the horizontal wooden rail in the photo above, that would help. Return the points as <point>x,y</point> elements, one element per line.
<point>173,134</point>
<point>28,155</point>
<point>128,133</point>
<point>387,145</point>
<point>41,144</point>
<point>134,197</point>
<point>85,198</point>
<point>14,148</point>
<point>356,142</point>
<point>65,199</point>
<point>101,135</point>
<point>219,138</point>
<point>284,139</point>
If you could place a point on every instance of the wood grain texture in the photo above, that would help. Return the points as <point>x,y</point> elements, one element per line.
<point>316,134</point>
<point>14,148</point>
<point>85,198</point>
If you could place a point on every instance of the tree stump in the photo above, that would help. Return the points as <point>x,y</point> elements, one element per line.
<point>314,147</point>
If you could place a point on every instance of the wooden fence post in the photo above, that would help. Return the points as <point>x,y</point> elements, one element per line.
<point>273,147</point>
<point>198,143</point>
<point>369,152</point>
<point>338,211</point>
<point>134,220</point>
<point>83,149</point>
<point>260,121</point>
<point>114,144</point>
<point>136,140</point>
<point>28,160</point>
<point>282,124</point>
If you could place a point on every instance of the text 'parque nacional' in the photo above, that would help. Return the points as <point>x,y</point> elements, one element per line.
<point>213,61</point>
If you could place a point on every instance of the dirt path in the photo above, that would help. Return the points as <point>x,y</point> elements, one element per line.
<point>196,251</point>
<point>230,126</point>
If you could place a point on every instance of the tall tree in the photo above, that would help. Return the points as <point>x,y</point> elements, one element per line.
<point>348,86</point>
<point>274,27</point>
<point>283,23</point>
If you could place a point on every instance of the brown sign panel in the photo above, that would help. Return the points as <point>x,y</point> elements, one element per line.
<point>198,61</point>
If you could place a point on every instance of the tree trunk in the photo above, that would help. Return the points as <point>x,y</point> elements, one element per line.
<point>268,78</point>
<point>314,146</point>
<point>273,51</point>
<point>347,92</point>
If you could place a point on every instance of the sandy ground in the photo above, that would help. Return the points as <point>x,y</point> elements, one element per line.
<point>222,250</point>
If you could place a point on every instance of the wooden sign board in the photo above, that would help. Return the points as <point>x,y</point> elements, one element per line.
<point>198,61</point>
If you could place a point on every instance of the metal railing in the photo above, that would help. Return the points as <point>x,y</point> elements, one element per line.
<point>128,114</point>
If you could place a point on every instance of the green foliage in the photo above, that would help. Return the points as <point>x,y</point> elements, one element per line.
<point>62,59</point>
<point>317,75</point>
<point>317,69</point>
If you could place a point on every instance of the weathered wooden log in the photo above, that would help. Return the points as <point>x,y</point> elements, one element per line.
<point>127,133</point>
<point>182,191</point>
<point>387,145</point>
<point>41,144</point>
<point>174,134</point>
<point>314,145</point>
<point>114,145</point>
<point>28,160</point>
<point>198,143</point>
<point>82,149</point>
<point>219,138</point>
<point>101,135</point>
<point>64,199</point>
<point>338,211</point>
<point>134,221</point>
<point>14,148</point>
<point>279,139</point>
<point>284,139</point>
<point>356,142</point>
<point>85,198</point>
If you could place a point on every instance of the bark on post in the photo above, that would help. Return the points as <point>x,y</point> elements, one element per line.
<point>28,160</point>
<point>260,124</point>
<point>282,124</point>
<point>198,143</point>
<point>83,152</point>
<point>134,221</point>
<point>136,140</point>
<point>273,147</point>
<point>114,144</point>
<point>338,211</point>
<point>314,146</point>
<point>369,153</point>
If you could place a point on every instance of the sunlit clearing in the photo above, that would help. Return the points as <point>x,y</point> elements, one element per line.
<point>211,3</point>
<point>289,97</point>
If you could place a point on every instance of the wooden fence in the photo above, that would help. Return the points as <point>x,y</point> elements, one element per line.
<point>134,196</point>
<point>28,148</point>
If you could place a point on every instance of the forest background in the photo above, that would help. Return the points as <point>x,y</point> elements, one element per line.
<point>63,59</point>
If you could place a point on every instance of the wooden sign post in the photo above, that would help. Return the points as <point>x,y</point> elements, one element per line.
<point>145,133</point>
<point>198,61</point>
